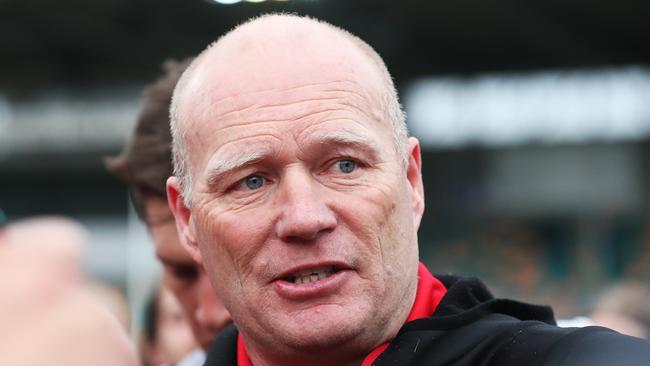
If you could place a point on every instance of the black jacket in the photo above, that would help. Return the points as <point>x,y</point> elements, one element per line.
<point>470,327</point>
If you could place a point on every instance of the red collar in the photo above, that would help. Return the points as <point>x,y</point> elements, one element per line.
<point>430,292</point>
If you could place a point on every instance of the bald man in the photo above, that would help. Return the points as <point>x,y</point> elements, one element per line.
<point>299,191</point>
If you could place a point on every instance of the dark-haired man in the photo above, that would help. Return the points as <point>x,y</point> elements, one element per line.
<point>144,165</point>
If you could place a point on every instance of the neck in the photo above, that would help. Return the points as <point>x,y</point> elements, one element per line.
<point>335,355</point>
<point>296,359</point>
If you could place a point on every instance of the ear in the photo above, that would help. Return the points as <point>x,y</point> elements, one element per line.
<point>414,176</point>
<point>183,217</point>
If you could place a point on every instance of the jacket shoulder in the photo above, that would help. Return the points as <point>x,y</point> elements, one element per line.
<point>471,327</point>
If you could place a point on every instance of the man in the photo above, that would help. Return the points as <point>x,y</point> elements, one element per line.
<point>298,190</point>
<point>145,164</point>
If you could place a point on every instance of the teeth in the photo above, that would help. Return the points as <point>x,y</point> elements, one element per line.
<point>311,275</point>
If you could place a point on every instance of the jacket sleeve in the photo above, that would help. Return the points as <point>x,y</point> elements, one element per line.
<point>597,346</point>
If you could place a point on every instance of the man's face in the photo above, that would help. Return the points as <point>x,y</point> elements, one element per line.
<point>189,283</point>
<point>304,216</point>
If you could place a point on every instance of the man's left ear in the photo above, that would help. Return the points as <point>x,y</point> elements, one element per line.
<point>414,176</point>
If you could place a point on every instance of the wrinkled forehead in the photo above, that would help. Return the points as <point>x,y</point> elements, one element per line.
<point>269,64</point>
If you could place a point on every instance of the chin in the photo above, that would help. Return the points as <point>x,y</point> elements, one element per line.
<point>206,345</point>
<point>330,334</point>
<point>318,342</point>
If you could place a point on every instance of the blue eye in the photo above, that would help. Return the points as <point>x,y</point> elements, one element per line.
<point>254,182</point>
<point>346,166</point>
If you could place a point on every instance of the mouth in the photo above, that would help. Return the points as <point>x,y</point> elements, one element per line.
<point>307,276</point>
<point>313,281</point>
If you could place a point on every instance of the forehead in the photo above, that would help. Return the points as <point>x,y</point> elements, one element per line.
<point>167,246</point>
<point>273,61</point>
<point>156,209</point>
<point>294,72</point>
<point>163,229</point>
<point>306,117</point>
<point>279,54</point>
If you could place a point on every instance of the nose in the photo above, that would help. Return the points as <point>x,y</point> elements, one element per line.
<point>304,211</point>
<point>210,313</point>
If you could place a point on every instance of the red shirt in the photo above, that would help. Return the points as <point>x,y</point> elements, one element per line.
<point>430,292</point>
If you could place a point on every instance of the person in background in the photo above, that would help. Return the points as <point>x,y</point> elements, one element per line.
<point>167,337</point>
<point>49,315</point>
<point>625,307</point>
<point>65,240</point>
<point>144,165</point>
<point>112,298</point>
<point>299,191</point>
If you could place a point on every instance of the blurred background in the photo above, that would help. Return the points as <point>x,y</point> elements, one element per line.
<point>534,119</point>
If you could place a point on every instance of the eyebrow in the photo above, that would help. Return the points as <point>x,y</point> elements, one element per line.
<point>348,139</point>
<point>223,166</point>
<point>345,140</point>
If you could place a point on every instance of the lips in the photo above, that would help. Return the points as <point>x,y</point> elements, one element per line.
<point>310,275</point>
<point>312,280</point>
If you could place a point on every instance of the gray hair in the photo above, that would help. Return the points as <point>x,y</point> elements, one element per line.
<point>389,103</point>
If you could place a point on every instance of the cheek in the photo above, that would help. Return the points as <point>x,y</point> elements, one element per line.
<point>368,210</point>
<point>381,217</point>
<point>231,240</point>
<point>187,301</point>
